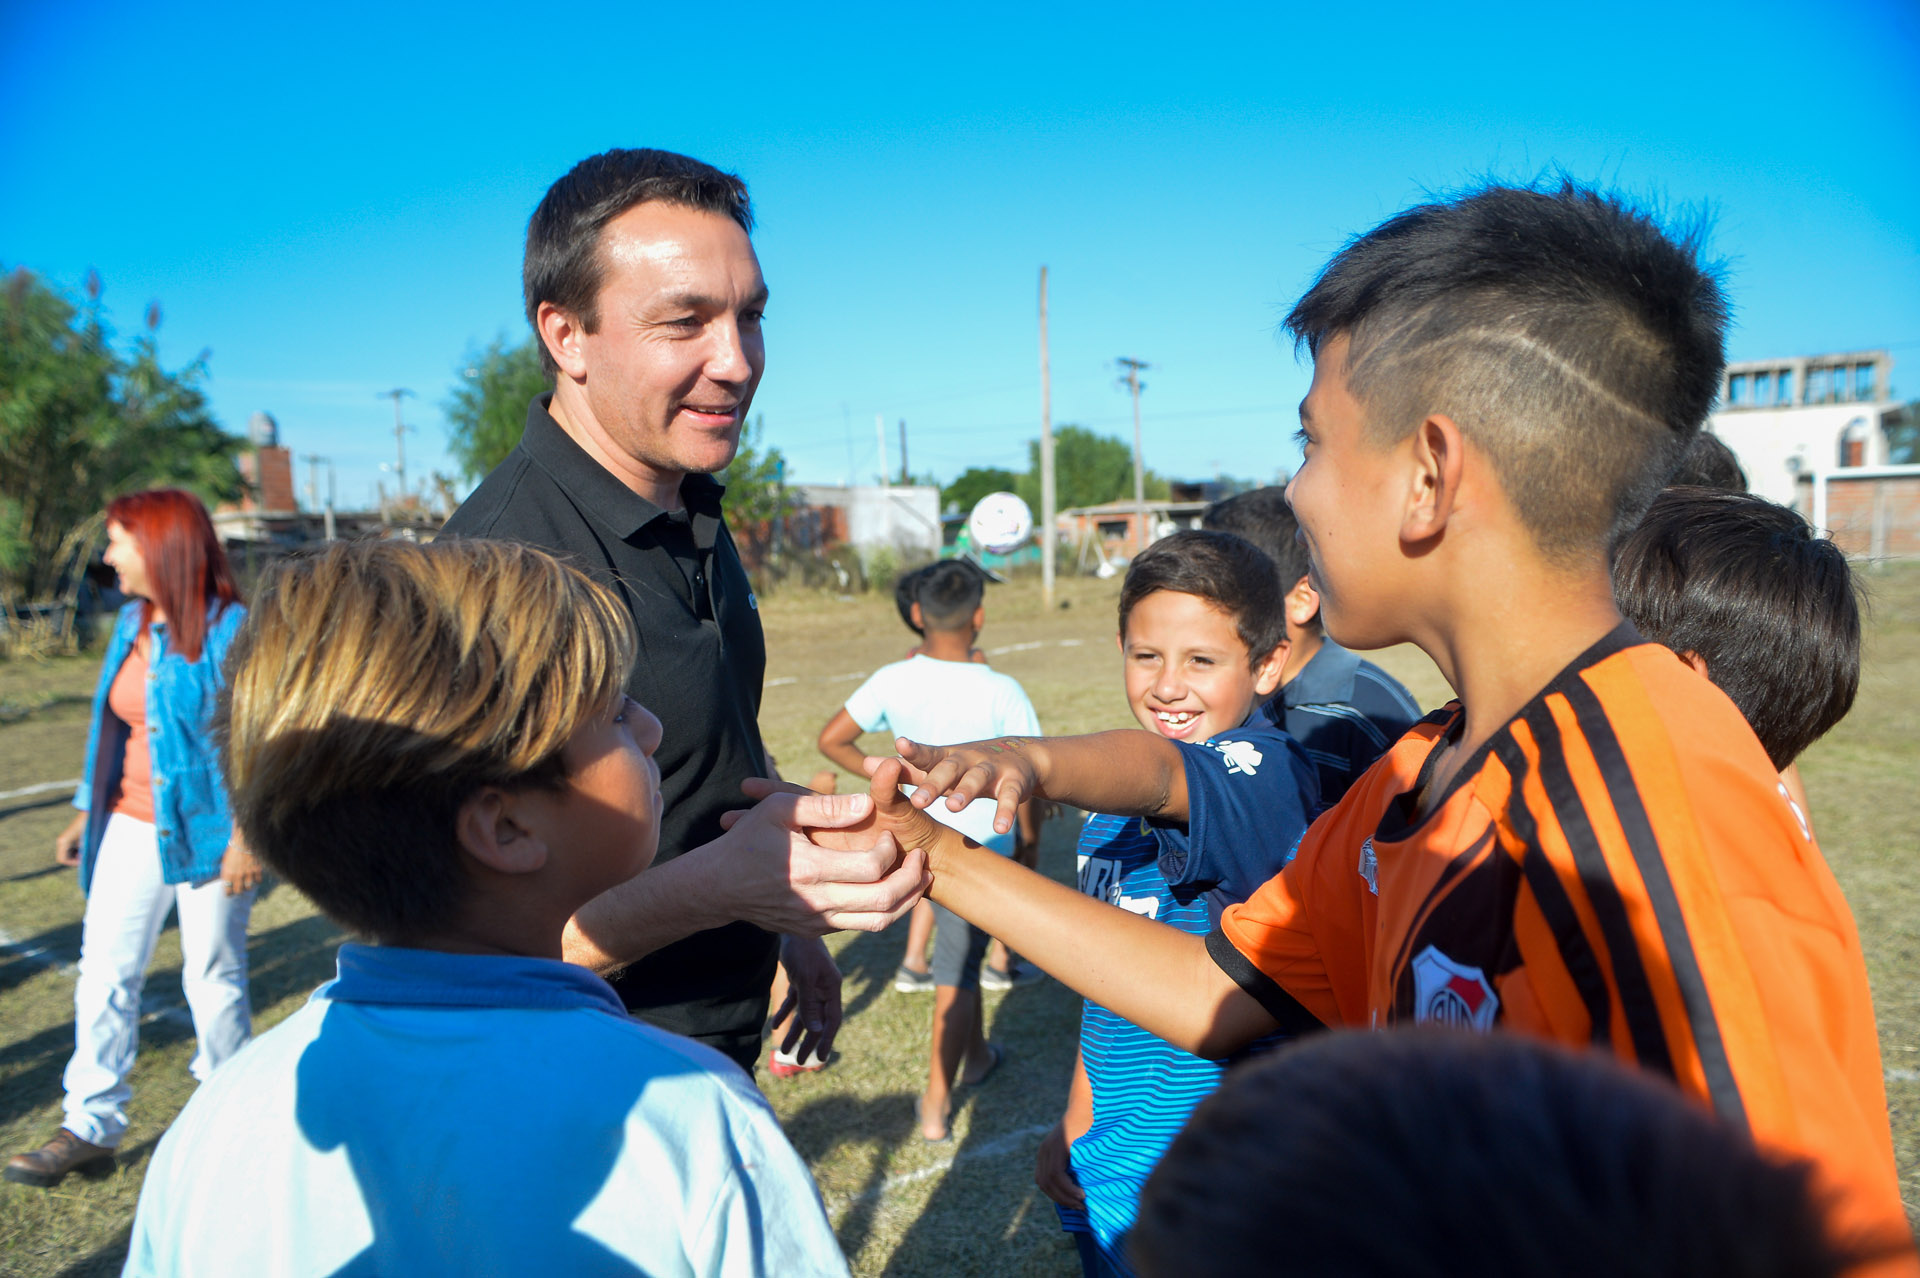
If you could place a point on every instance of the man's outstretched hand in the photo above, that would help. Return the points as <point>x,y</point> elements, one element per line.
<point>783,873</point>
<point>884,814</point>
<point>1008,770</point>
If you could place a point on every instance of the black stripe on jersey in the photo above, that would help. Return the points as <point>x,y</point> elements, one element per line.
<point>1722,1088</point>
<point>1576,951</point>
<point>1616,932</point>
<point>1461,863</point>
<point>1290,1012</point>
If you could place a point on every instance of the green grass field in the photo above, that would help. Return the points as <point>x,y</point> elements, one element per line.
<point>902,1207</point>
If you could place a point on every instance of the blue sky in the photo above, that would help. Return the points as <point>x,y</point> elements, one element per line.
<point>330,199</point>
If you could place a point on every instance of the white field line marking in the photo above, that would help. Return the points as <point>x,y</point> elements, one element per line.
<point>1900,1074</point>
<point>153,1007</point>
<point>45,787</point>
<point>786,680</point>
<point>998,1147</point>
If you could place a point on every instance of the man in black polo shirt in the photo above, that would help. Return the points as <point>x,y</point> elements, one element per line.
<point>643,288</point>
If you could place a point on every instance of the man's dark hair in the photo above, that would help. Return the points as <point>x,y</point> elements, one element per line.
<point>563,262</point>
<point>1227,571</point>
<point>1566,333</point>
<point>1745,585</point>
<point>1426,1152</point>
<point>1709,463</point>
<point>949,594</point>
<point>1264,517</point>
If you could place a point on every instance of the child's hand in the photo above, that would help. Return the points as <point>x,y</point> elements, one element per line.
<point>1053,1170</point>
<point>890,814</point>
<point>1007,771</point>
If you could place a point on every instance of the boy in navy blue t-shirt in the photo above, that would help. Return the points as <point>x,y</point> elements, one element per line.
<point>1202,643</point>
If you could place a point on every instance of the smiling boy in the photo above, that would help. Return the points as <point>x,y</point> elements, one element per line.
<point>1187,817</point>
<point>1590,844</point>
<point>432,743</point>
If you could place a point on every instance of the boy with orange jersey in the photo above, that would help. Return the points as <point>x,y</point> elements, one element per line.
<point>1590,844</point>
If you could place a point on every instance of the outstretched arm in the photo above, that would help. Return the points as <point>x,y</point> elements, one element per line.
<point>763,869</point>
<point>1128,773</point>
<point>1158,977</point>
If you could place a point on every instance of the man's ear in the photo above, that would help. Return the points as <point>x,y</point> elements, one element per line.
<point>493,829</point>
<point>1437,456</point>
<point>1266,675</point>
<point>1302,603</point>
<point>562,334</point>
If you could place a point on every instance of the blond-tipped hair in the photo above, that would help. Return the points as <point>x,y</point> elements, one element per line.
<point>377,685</point>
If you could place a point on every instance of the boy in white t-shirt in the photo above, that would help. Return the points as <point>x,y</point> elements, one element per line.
<point>943,694</point>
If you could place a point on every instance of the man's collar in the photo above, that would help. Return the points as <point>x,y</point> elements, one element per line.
<point>433,978</point>
<point>1326,679</point>
<point>594,487</point>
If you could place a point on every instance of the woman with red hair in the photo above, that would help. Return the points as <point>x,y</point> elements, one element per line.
<point>154,831</point>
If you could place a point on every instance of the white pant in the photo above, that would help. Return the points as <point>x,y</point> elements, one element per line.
<point>125,911</point>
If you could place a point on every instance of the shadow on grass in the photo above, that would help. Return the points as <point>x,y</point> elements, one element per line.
<point>287,961</point>
<point>887,1121</point>
<point>26,959</point>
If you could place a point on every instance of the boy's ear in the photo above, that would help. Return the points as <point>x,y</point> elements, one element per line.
<point>1439,462</point>
<point>1302,603</point>
<point>913,611</point>
<point>493,830</point>
<point>979,618</point>
<point>1699,664</point>
<point>1266,675</point>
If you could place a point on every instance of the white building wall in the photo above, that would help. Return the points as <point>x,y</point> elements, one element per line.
<point>1775,445</point>
<point>904,519</point>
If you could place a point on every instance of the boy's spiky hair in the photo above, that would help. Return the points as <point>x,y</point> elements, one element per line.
<point>1569,336</point>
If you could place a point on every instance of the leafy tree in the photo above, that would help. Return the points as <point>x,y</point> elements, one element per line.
<point>755,480</point>
<point>488,408</point>
<point>80,425</point>
<point>1088,470</point>
<point>974,483</point>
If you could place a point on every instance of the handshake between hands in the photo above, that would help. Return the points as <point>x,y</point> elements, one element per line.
<point>860,861</point>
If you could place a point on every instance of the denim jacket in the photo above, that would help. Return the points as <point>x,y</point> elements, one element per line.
<point>190,813</point>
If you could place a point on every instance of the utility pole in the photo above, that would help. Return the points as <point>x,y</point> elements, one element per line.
<point>880,429</point>
<point>1133,383</point>
<point>313,465</point>
<point>1047,515</point>
<point>399,440</point>
<point>906,475</point>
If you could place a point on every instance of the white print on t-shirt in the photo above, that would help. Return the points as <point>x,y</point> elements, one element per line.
<point>1098,876</point>
<point>1241,756</point>
<point>1143,905</point>
<point>1370,866</point>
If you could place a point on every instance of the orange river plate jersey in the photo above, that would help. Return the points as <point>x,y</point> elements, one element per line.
<point>1619,866</point>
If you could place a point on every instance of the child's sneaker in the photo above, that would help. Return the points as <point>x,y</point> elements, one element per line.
<point>908,981</point>
<point>1017,973</point>
<point>788,1064</point>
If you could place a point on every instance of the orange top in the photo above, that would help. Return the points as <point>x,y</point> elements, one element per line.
<point>1619,866</point>
<point>127,697</point>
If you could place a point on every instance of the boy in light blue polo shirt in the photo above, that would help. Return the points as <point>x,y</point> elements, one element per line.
<point>432,742</point>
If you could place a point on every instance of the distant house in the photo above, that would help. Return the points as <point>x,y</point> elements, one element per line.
<point>1813,432</point>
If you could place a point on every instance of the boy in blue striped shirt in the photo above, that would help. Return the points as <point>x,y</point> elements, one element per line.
<point>1202,644</point>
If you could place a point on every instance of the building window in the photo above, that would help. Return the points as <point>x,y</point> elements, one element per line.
<point>1785,392</point>
<point>1863,382</point>
<point>1737,389</point>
